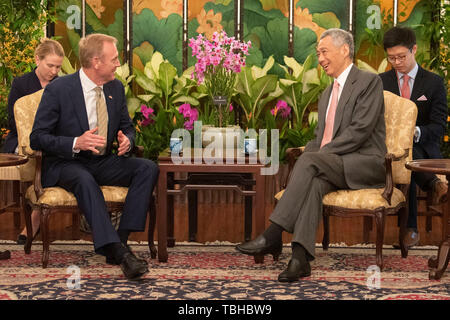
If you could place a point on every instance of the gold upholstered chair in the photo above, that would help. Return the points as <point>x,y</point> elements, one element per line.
<point>400,118</point>
<point>54,199</point>
<point>18,178</point>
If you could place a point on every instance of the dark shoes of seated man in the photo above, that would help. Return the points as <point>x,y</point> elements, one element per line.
<point>132,267</point>
<point>270,242</point>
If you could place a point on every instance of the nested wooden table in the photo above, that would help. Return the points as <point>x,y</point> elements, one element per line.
<point>437,166</point>
<point>6,160</point>
<point>240,174</point>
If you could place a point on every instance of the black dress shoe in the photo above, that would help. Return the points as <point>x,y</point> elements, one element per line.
<point>132,268</point>
<point>22,239</point>
<point>260,247</point>
<point>112,260</point>
<point>294,271</point>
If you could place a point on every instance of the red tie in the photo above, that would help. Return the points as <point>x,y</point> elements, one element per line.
<point>406,92</point>
<point>329,123</point>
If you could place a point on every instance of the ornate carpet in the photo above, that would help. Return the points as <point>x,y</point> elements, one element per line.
<point>218,272</point>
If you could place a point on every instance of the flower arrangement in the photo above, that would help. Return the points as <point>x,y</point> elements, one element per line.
<point>153,129</point>
<point>218,63</point>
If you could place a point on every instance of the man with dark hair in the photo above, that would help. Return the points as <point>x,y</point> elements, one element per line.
<point>347,153</point>
<point>427,91</point>
<point>78,118</point>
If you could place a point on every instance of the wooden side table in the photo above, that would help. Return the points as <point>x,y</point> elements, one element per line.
<point>204,166</point>
<point>437,166</point>
<point>6,160</point>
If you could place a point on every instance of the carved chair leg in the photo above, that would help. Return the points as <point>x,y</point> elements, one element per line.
<point>27,215</point>
<point>403,215</point>
<point>17,198</point>
<point>380,222</point>
<point>326,232</point>
<point>45,219</point>
<point>151,228</point>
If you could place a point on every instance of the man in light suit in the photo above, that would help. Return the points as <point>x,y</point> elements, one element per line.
<point>347,153</point>
<point>427,91</point>
<point>78,118</point>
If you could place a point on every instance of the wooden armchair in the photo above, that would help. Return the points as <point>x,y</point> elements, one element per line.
<point>54,200</point>
<point>400,119</point>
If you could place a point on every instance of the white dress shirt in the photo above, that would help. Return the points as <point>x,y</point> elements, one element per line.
<point>341,80</point>
<point>89,94</point>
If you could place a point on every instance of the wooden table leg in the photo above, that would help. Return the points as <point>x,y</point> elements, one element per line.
<point>259,207</point>
<point>161,213</point>
<point>439,265</point>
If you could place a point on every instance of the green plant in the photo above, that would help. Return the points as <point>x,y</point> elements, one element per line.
<point>254,90</point>
<point>301,87</point>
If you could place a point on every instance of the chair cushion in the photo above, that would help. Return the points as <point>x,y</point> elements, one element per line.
<point>368,199</point>
<point>56,196</point>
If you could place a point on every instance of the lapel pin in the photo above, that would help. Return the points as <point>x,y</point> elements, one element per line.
<point>110,97</point>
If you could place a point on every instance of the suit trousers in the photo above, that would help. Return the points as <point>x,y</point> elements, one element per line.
<point>83,177</point>
<point>424,180</point>
<point>299,211</point>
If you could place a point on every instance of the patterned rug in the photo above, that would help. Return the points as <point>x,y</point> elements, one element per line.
<point>218,272</point>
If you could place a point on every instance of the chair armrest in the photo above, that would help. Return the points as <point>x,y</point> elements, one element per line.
<point>388,158</point>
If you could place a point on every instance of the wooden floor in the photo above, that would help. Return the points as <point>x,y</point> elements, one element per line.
<point>224,222</point>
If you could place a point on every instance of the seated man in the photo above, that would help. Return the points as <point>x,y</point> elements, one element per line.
<point>427,91</point>
<point>347,153</point>
<point>77,120</point>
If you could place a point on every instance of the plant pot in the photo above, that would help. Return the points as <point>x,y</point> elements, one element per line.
<point>230,136</point>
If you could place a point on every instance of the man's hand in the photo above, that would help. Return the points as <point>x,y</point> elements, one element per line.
<point>124,143</point>
<point>90,140</point>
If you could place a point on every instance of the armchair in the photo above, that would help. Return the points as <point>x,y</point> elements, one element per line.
<point>55,199</point>
<point>400,119</point>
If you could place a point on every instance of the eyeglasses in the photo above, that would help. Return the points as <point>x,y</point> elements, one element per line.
<point>400,58</point>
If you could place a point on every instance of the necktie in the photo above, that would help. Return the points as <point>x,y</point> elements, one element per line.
<point>406,92</point>
<point>102,116</point>
<point>329,123</point>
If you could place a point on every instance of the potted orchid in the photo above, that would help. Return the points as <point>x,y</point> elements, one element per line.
<point>218,63</point>
<point>153,129</point>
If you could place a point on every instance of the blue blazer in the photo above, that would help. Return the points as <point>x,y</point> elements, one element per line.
<point>62,116</point>
<point>430,96</point>
<point>20,87</point>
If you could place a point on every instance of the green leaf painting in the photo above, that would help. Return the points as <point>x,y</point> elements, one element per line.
<point>339,8</point>
<point>164,35</point>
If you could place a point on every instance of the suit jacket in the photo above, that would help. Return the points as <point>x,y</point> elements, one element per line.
<point>20,87</point>
<point>61,116</point>
<point>359,131</point>
<point>432,112</point>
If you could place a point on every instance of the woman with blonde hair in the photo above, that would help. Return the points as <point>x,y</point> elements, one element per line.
<point>49,55</point>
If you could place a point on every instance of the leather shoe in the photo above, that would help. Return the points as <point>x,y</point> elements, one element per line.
<point>132,268</point>
<point>439,194</point>
<point>111,260</point>
<point>260,247</point>
<point>22,239</point>
<point>294,271</point>
<point>410,239</point>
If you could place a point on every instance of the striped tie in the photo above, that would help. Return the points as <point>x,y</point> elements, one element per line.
<point>102,117</point>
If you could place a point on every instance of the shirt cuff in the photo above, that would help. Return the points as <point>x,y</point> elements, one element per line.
<point>416,134</point>
<point>73,146</point>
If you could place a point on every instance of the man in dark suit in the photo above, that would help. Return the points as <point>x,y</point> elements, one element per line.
<point>347,153</point>
<point>427,91</point>
<point>79,117</point>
